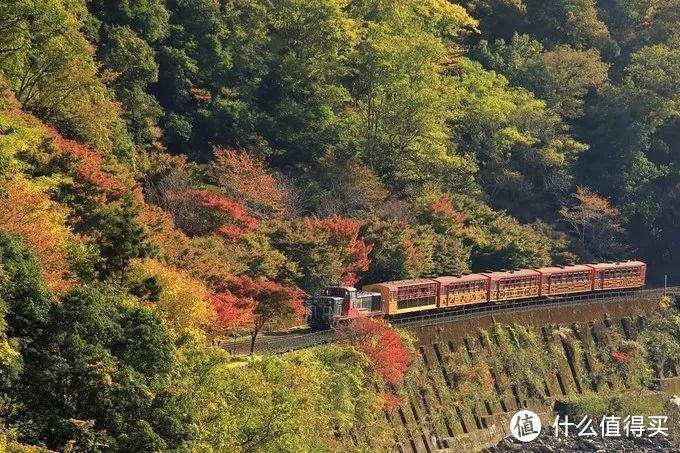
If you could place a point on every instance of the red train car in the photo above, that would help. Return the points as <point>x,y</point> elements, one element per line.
<point>620,274</point>
<point>556,281</point>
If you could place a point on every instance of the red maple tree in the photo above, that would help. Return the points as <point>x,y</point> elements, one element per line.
<point>390,401</point>
<point>381,344</point>
<point>273,302</point>
<point>343,234</point>
<point>232,312</point>
<point>205,211</point>
<point>622,356</point>
<point>89,166</point>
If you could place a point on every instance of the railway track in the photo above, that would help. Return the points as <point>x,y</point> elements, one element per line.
<point>281,344</point>
<point>287,343</point>
<point>524,305</point>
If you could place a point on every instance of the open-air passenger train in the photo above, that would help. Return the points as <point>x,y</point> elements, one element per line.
<point>339,304</point>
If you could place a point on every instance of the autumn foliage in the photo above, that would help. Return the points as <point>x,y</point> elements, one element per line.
<point>621,356</point>
<point>89,166</point>
<point>29,213</point>
<point>271,302</point>
<point>390,401</point>
<point>444,215</point>
<point>183,300</point>
<point>595,223</point>
<point>214,213</point>
<point>382,345</point>
<point>232,312</point>
<point>248,180</point>
<point>343,235</point>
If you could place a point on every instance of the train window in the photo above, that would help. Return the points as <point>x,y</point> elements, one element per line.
<point>413,303</point>
<point>364,302</point>
<point>416,292</point>
<point>631,272</point>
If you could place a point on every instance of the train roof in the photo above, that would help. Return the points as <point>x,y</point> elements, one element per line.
<point>570,268</point>
<point>348,288</point>
<point>447,279</point>
<point>512,273</point>
<point>367,293</point>
<point>617,264</point>
<point>402,283</point>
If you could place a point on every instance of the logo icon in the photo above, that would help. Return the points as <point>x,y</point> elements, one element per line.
<point>525,426</point>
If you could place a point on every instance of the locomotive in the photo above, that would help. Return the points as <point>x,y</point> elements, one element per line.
<point>336,305</point>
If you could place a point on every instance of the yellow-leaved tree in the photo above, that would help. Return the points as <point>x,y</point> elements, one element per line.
<point>182,300</point>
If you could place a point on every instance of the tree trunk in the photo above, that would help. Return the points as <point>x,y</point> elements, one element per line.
<point>253,336</point>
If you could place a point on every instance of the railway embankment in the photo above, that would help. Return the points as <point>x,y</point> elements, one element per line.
<point>472,374</point>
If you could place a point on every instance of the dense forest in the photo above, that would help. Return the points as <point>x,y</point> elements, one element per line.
<point>173,172</point>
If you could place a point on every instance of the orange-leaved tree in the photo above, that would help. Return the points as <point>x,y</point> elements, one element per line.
<point>41,223</point>
<point>247,179</point>
<point>88,168</point>
<point>596,225</point>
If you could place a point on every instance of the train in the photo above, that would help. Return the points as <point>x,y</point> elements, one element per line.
<point>336,305</point>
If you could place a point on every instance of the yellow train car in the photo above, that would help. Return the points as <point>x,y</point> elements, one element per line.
<point>404,296</point>
<point>467,289</point>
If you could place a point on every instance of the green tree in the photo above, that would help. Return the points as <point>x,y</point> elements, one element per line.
<point>101,383</point>
<point>519,59</point>
<point>574,22</point>
<point>524,153</point>
<point>51,67</point>
<point>405,98</point>
<point>562,76</point>
<point>399,251</point>
<point>149,18</point>
<point>132,60</point>
<point>120,237</point>
<point>23,291</point>
<point>634,147</point>
<point>570,75</point>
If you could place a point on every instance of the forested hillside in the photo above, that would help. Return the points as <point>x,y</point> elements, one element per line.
<point>176,171</point>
